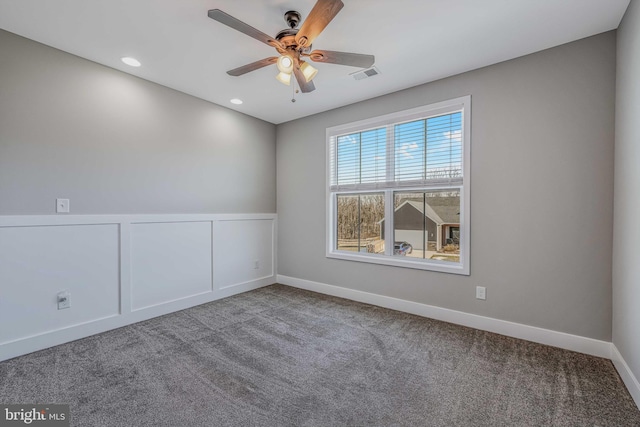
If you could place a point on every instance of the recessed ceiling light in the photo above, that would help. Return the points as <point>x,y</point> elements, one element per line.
<point>131,61</point>
<point>236,101</point>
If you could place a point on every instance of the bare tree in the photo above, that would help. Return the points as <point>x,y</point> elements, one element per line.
<point>359,216</point>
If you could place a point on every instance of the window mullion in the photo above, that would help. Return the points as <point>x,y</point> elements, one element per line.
<point>388,194</point>
<point>426,132</point>
<point>390,173</point>
<point>425,237</point>
<point>359,221</point>
<point>388,223</point>
<point>335,164</point>
<point>360,158</point>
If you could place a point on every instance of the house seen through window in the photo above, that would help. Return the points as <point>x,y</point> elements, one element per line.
<point>398,190</point>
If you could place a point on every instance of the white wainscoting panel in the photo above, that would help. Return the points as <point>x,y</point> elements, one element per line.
<point>169,261</point>
<point>36,263</point>
<point>242,252</point>
<point>121,269</point>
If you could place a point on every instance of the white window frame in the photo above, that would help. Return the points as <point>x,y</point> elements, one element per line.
<point>462,104</point>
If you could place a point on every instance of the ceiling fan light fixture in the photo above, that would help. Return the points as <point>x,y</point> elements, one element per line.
<point>285,64</point>
<point>308,71</point>
<point>284,78</point>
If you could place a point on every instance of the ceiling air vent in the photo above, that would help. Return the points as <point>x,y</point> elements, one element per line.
<point>369,72</point>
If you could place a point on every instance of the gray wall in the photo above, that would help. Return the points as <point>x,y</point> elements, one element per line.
<point>541,201</point>
<point>626,268</point>
<point>114,143</point>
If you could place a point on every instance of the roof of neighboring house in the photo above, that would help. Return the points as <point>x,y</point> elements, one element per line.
<point>441,210</point>
<point>447,207</point>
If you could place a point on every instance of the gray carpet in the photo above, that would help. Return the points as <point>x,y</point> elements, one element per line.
<point>279,356</point>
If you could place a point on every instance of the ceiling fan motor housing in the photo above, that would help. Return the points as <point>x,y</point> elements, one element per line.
<point>287,36</point>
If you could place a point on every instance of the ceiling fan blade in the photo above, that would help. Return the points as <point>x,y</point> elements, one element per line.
<point>319,17</point>
<point>236,24</point>
<point>305,86</point>
<point>343,58</point>
<point>252,67</point>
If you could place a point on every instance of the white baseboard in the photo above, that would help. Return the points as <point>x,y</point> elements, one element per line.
<point>627,376</point>
<point>516,330</point>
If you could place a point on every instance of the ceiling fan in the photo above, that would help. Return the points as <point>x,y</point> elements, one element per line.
<point>294,44</point>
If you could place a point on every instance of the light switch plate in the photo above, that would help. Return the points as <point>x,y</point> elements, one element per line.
<point>62,205</point>
<point>481,292</point>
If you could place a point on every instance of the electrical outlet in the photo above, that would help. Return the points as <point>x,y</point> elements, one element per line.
<point>64,300</point>
<point>481,292</point>
<point>256,264</point>
<point>62,205</point>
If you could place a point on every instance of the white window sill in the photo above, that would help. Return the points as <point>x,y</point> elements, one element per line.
<point>401,261</point>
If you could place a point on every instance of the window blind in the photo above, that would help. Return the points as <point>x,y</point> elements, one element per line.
<point>424,152</point>
<point>361,157</point>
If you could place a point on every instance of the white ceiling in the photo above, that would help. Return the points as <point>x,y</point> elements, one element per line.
<point>414,42</point>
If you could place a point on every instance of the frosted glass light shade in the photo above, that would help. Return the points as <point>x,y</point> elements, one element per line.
<point>285,64</point>
<point>308,71</point>
<point>284,78</point>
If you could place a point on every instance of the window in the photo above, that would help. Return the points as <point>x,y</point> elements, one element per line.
<point>398,188</point>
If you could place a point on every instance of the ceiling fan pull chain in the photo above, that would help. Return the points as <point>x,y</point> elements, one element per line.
<point>293,92</point>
